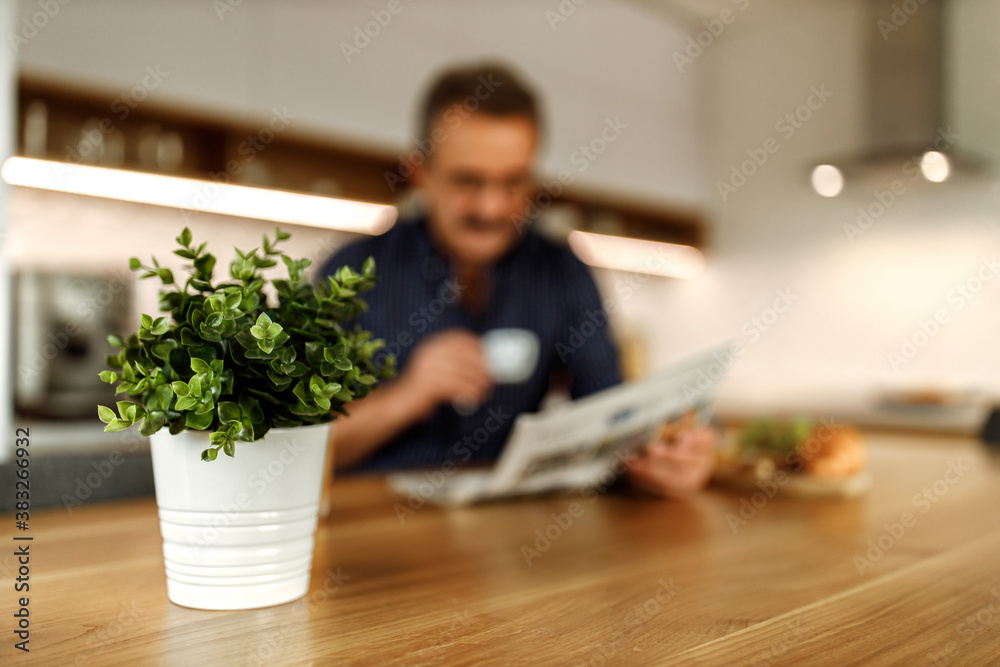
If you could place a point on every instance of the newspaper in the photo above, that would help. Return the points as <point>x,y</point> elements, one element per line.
<point>583,444</point>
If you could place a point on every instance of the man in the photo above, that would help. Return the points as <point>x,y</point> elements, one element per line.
<point>470,266</point>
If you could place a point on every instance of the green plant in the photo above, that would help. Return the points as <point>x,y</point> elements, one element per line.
<point>766,436</point>
<point>230,363</point>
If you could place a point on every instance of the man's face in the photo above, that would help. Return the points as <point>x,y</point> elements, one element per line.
<point>478,183</point>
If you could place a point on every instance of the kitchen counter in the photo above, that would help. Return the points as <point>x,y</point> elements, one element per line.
<point>908,574</point>
<point>963,418</point>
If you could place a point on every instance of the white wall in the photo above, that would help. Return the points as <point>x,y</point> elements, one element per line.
<point>607,59</point>
<point>856,300</point>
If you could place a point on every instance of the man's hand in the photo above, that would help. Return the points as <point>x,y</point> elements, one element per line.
<point>677,468</point>
<point>447,368</point>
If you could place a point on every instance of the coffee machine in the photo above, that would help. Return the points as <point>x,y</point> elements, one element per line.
<point>61,325</point>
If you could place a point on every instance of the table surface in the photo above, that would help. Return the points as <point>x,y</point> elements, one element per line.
<point>909,574</point>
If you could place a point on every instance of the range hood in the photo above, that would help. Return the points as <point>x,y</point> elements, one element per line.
<point>905,129</point>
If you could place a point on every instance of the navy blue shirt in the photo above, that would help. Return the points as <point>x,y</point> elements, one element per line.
<point>538,286</point>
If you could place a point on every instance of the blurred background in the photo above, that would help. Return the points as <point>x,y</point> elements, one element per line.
<point>832,163</point>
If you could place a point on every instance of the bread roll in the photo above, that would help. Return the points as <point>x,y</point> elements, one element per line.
<point>834,452</point>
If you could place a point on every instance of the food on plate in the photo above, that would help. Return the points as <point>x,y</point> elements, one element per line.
<point>800,456</point>
<point>801,446</point>
<point>841,454</point>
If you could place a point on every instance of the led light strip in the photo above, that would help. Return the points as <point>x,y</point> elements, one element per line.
<point>637,255</point>
<point>198,195</point>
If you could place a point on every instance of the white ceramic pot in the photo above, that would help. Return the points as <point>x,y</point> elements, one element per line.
<point>238,532</point>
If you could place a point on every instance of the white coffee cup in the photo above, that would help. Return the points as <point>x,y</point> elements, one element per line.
<point>511,354</point>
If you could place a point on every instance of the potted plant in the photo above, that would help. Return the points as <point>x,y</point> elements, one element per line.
<point>257,378</point>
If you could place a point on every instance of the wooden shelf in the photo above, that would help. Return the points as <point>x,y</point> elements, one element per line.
<point>90,127</point>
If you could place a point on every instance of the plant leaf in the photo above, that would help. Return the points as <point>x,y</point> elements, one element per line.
<point>164,395</point>
<point>186,403</point>
<point>200,365</point>
<point>229,411</point>
<point>117,425</point>
<point>199,422</point>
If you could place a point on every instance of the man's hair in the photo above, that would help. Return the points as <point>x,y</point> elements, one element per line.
<point>489,88</point>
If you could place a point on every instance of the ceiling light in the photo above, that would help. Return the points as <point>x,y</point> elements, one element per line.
<point>935,166</point>
<point>827,180</point>
<point>198,195</point>
<point>637,255</point>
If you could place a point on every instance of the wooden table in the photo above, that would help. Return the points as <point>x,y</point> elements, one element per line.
<point>628,581</point>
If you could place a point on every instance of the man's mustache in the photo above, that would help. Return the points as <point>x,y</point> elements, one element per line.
<point>477,221</point>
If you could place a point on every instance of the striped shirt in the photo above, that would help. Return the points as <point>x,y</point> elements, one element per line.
<point>537,285</point>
